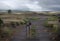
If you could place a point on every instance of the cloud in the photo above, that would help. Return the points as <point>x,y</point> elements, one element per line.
<point>13,4</point>
<point>34,6</point>
<point>21,4</point>
<point>53,5</point>
<point>31,5</point>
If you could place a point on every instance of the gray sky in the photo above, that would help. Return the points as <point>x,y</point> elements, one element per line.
<point>31,5</point>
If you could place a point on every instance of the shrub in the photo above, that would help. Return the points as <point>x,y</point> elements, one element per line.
<point>13,24</point>
<point>52,18</point>
<point>33,32</point>
<point>6,34</point>
<point>22,22</point>
<point>8,31</point>
<point>17,24</point>
<point>34,18</point>
<point>26,20</point>
<point>46,24</point>
<point>1,22</point>
<point>55,28</point>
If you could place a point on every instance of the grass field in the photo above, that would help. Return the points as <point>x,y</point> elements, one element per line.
<point>22,19</point>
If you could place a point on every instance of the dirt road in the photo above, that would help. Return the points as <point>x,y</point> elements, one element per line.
<point>42,35</point>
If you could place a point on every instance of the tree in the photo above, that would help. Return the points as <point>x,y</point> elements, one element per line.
<point>9,11</point>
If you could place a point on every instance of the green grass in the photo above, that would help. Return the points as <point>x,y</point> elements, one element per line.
<point>24,21</point>
<point>33,31</point>
<point>55,28</point>
<point>46,24</point>
<point>6,34</point>
<point>8,30</point>
<point>34,18</point>
<point>52,18</point>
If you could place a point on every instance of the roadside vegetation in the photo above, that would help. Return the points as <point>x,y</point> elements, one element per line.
<point>34,18</point>
<point>5,32</point>
<point>33,32</point>
<point>52,25</point>
<point>24,21</point>
<point>51,21</point>
<point>53,18</point>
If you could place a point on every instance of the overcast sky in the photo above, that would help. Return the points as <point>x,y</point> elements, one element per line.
<point>31,5</point>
